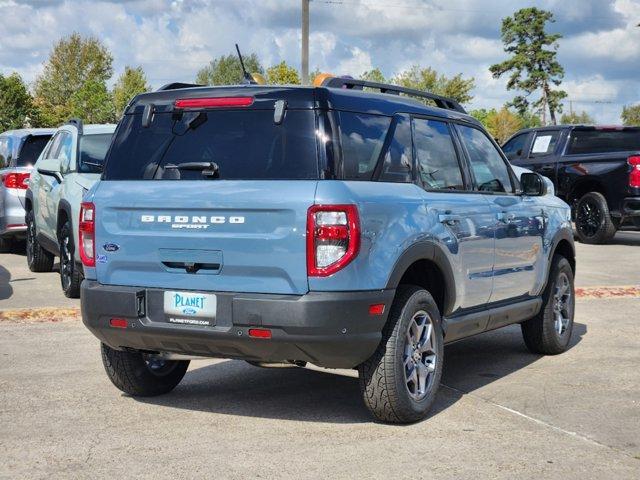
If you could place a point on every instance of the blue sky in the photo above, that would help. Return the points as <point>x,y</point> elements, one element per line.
<point>171,40</point>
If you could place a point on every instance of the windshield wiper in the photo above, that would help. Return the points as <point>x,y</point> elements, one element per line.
<point>208,169</point>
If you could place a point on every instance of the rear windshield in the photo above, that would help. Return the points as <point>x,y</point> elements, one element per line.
<point>31,149</point>
<point>603,141</point>
<point>241,145</point>
<point>93,149</point>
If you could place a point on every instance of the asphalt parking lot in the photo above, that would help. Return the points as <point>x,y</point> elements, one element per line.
<point>501,411</point>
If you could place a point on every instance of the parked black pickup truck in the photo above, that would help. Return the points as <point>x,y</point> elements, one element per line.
<point>596,170</point>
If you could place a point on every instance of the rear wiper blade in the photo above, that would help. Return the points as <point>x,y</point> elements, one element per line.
<point>208,169</point>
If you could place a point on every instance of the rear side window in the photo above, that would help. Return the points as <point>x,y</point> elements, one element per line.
<point>603,141</point>
<point>544,143</point>
<point>397,166</point>
<point>437,159</point>
<point>362,138</point>
<point>489,169</point>
<point>243,145</point>
<point>93,149</point>
<point>31,149</point>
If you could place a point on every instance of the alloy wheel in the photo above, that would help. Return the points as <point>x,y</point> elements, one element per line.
<point>562,304</point>
<point>420,355</point>
<point>66,262</point>
<point>589,218</point>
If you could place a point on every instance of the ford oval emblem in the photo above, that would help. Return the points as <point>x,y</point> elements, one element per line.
<point>111,247</point>
<point>189,311</point>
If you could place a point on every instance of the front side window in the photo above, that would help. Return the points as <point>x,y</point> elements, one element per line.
<point>545,143</point>
<point>488,167</point>
<point>437,159</point>
<point>64,153</point>
<point>362,137</point>
<point>398,162</point>
<point>513,148</point>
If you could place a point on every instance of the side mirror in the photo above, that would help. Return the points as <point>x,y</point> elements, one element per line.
<point>50,167</point>
<point>533,184</point>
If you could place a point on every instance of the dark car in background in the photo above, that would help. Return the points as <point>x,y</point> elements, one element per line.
<point>595,169</point>
<point>19,150</point>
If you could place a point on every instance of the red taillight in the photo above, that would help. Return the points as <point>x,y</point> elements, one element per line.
<point>219,102</point>
<point>16,180</point>
<point>634,174</point>
<point>87,234</point>
<point>259,333</point>
<point>333,238</point>
<point>118,322</point>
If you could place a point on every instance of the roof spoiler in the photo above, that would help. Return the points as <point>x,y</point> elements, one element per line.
<point>353,84</point>
<point>177,86</point>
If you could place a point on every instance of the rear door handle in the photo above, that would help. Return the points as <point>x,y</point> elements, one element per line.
<point>449,219</point>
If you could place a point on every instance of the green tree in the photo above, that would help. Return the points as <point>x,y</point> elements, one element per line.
<point>503,123</point>
<point>132,82</point>
<point>16,104</point>
<point>482,114</point>
<point>282,74</point>
<point>428,79</point>
<point>532,64</point>
<point>577,118</point>
<point>93,103</point>
<point>76,67</point>
<point>226,70</point>
<point>631,115</point>
<point>374,75</point>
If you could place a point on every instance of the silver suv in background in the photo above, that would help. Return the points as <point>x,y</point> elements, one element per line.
<point>19,150</point>
<point>69,166</point>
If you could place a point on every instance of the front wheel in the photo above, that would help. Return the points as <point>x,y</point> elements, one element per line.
<point>400,380</point>
<point>549,332</point>
<point>70,276</point>
<point>142,375</point>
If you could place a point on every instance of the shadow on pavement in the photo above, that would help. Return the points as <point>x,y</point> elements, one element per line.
<point>6,290</point>
<point>627,237</point>
<point>237,388</point>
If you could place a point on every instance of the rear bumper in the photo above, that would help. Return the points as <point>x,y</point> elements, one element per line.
<point>631,207</point>
<point>329,329</point>
<point>12,223</point>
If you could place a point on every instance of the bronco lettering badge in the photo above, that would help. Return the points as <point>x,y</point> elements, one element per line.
<point>191,222</point>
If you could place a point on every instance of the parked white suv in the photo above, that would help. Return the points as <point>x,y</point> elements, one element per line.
<point>68,166</point>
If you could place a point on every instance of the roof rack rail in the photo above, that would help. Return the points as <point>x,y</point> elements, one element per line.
<point>76,122</point>
<point>177,85</point>
<point>353,84</point>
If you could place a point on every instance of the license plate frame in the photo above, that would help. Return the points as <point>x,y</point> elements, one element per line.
<point>190,308</point>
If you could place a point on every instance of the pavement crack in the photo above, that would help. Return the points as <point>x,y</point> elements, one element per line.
<point>577,435</point>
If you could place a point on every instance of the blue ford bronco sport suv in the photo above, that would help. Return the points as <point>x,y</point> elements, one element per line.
<point>344,226</point>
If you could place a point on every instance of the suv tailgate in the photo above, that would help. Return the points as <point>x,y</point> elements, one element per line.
<point>236,236</point>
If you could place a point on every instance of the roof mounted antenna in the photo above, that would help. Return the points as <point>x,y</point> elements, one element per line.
<point>247,79</point>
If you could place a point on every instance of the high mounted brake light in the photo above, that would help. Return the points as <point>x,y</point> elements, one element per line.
<point>634,174</point>
<point>19,181</point>
<point>87,231</point>
<point>217,102</point>
<point>333,238</point>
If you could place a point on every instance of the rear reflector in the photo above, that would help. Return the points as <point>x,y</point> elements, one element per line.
<point>218,102</point>
<point>259,333</point>
<point>118,322</point>
<point>376,309</point>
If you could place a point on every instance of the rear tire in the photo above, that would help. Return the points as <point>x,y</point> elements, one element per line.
<point>139,375</point>
<point>70,276</point>
<point>549,332</point>
<point>593,219</point>
<point>400,380</point>
<point>38,259</point>
<point>636,222</point>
